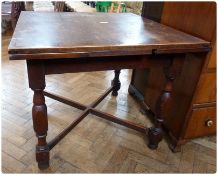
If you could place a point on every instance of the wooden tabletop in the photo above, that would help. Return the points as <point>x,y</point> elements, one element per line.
<point>54,34</point>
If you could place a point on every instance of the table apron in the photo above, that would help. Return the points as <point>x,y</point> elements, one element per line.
<point>59,66</point>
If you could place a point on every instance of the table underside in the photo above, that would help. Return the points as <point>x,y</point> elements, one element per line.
<point>38,69</point>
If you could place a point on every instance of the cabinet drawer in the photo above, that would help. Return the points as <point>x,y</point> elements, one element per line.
<point>201,123</point>
<point>206,89</point>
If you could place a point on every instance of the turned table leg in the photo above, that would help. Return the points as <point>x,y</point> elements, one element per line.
<point>116,83</point>
<point>39,111</point>
<point>164,102</point>
<point>40,125</point>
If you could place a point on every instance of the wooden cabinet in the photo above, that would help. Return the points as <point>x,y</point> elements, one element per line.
<point>206,89</point>
<point>212,60</point>
<point>194,95</point>
<point>202,122</point>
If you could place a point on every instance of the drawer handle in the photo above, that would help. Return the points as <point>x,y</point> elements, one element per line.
<point>209,123</point>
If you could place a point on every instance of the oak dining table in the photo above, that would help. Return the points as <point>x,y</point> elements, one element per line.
<point>66,42</point>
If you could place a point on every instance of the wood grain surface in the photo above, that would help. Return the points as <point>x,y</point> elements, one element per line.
<point>96,145</point>
<point>95,34</point>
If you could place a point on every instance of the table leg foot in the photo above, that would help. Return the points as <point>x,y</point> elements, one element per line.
<point>175,148</point>
<point>116,83</point>
<point>43,165</point>
<point>42,157</point>
<point>155,135</point>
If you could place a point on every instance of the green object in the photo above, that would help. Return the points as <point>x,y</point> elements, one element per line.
<point>103,6</point>
<point>123,7</point>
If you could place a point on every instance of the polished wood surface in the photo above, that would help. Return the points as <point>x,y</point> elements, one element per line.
<point>206,89</point>
<point>81,34</point>
<point>202,25</point>
<point>196,86</point>
<point>196,20</point>
<point>95,145</point>
<point>212,59</point>
<point>144,44</point>
<point>202,122</point>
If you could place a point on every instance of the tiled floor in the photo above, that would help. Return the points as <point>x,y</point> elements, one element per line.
<point>95,145</point>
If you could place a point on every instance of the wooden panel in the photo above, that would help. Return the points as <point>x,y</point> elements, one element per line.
<point>206,89</point>
<point>198,122</point>
<point>182,16</point>
<point>184,87</point>
<point>196,18</point>
<point>85,33</point>
<point>210,62</point>
<point>152,10</point>
<point>212,59</point>
<point>140,79</point>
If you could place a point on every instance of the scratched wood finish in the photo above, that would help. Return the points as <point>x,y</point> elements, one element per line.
<point>81,34</point>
